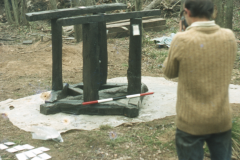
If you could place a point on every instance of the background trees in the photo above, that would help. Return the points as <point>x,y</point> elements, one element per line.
<point>223,12</point>
<point>15,11</point>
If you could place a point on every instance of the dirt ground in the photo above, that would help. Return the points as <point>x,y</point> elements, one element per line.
<point>27,69</point>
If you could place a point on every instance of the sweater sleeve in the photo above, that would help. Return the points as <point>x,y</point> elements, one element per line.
<point>171,63</point>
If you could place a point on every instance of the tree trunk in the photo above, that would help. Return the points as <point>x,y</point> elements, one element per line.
<point>182,5</point>
<point>77,28</point>
<point>90,2</point>
<point>152,5</point>
<point>219,12</point>
<point>23,11</point>
<point>229,14</point>
<point>15,11</point>
<point>138,5</point>
<point>8,12</point>
<point>53,4</point>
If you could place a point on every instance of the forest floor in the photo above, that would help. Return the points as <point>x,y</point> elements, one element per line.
<point>27,69</point>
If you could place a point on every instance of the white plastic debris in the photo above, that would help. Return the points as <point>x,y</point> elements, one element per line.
<point>12,150</point>
<point>21,156</point>
<point>19,148</point>
<point>29,154</point>
<point>44,156</point>
<point>9,143</point>
<point>164,40</point>
<point>2,147</point>
<point>44,149</point>
<point>37,158</point>
<point>27,146</point>
<point>46,133</point>
<point>36,151</point>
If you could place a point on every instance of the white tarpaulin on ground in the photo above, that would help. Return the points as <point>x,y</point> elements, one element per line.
<point>25,111</point>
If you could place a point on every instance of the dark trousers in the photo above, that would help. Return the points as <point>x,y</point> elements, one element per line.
<point>190,147</point>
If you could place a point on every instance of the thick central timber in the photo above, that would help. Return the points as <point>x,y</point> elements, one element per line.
<point>69,12</point>
<point>106,17</point>
<point>91,67</point>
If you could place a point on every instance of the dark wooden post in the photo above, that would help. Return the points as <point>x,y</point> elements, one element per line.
<point>57,83</point>
<point>134,61</point>
<point>103,55</point>
<point>91,67</point>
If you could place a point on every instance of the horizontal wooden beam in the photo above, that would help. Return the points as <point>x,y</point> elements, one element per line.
<point>106,17</point>
<point>69,12</point>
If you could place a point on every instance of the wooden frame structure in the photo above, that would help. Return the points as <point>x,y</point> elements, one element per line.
<point>95,58</point>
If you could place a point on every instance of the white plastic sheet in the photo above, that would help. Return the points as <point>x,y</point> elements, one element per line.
<point>159,105</point>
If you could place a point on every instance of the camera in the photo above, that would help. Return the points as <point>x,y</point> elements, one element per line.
<point>183,21</point>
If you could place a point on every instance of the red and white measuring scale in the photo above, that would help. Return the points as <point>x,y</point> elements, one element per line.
<point>116,98</point>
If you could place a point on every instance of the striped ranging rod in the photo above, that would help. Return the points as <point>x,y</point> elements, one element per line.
<point>116,98</point>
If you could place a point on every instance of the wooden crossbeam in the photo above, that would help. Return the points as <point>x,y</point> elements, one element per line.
<point>106,17</point>
<point>69,12</point>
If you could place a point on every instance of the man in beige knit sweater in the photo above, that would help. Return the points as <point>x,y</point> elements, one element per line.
<point>202,58</point>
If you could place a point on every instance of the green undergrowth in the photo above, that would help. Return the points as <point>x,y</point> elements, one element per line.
<point>138,140</point>
<point>236,137</point>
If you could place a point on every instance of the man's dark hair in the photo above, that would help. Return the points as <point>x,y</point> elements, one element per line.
<point>200,8</point>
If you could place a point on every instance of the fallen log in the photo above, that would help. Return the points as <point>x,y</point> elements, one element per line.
<point>152,5</point>
<point>4,39</point>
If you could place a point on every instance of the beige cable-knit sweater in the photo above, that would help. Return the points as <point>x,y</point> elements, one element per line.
<point>202,58</point>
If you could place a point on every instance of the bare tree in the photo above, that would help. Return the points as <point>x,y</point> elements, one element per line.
<point>53,4</point>
<point>8,11</point>
<point>15,11</point>
<point>77,28</point>
<point>182,5</point>
<point>218,14</point>
<point>19,8</point>
<point>153,4</point>
<point>138,5</point>
<point>23,19</point>
<point>229,14</point>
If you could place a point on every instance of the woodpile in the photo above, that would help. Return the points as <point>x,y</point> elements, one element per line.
<point>169,8</point>
<point>119,29</point>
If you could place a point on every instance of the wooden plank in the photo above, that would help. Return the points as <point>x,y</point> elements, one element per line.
<point>90,62</point>
<point>106,17</point>
<point>105,86</point>
<point>57,83</point>
<point>146,23</point>
<point>124,33</point>
<point>69,12</point>
<point>128,20</point>
<point>135,60</point>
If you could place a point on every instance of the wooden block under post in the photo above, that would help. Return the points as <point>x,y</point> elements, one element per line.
<point>57,83</point>
<point>91,67</point>
<point>134,61</point>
